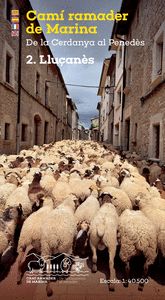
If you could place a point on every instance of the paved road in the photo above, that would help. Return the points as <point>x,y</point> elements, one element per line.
<point>87,288</point>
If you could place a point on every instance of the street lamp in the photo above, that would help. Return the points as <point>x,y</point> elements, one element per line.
<point>108,89</point>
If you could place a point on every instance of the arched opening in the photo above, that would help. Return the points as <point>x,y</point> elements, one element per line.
<point>37,130</point>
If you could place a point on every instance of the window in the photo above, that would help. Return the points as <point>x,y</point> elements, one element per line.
<point>46,94</point>
<point>135,132</point>
<point>9,65</point>
<point>159,63</point>
<point>111,137</point>
<point>156,139</point>
<point>129,76</point>
<point>127,133</point>
<point>8,68</point>
<point>37,84</point>
<point>24,132</point>
<point>119,98</point>
<point>7,131</point>
<point>137,16</point>
<point>46,132</point>
<point>8,10</point>
<point>120,56</point>
<point>158,53</point>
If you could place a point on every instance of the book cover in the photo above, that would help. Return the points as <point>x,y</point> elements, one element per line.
<point>82,149</point>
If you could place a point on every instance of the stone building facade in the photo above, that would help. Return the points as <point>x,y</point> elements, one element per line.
<point>94,129</point>
<point>112,76</point>
<point>140,79</point>
<point>33,104</point>
<point>118,99</point>
<point>70,108</point>
<point>75,121</point>
<point>144,86</point>
<point>104,103</point>
<point>107,115</point>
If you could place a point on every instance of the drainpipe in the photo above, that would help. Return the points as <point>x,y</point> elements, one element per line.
<point>19,86</point>
<point>124,85</point>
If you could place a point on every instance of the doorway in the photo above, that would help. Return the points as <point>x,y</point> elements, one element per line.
<point>127,133</point>
<point>37,130</point>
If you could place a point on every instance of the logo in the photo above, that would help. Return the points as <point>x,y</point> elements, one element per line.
<point>40,269</point>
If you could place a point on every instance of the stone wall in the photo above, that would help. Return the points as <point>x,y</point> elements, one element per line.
<point>42,114</point>
<point>147,21</point>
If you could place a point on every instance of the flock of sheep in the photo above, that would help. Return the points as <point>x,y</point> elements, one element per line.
<point>71,195</point>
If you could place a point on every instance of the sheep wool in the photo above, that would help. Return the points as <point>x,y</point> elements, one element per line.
<point>103,233</point>
<point>20,196</point>
<point>139,236</point>
<point>58,232</point>
<point>119,199</point>
<point>48,183</point>
<point>3,243</point>
<point>5,190</point>
<point>87,210</point>
<point>61,191</point>
<point>31,229</point>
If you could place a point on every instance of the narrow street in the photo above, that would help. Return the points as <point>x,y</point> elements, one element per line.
<point>82,150</point>
<point>72,164</point>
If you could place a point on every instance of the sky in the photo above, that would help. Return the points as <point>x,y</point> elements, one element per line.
<point>86,99</point>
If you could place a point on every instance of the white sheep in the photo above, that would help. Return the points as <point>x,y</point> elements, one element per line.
<point>5,190</point>
<point>133,185</point>
<point>58,232</point>
<point>61,191</point>
<point>137,235</point>
<point>48,183</point>
<point>81,188</point>
<point>20,196</point>
<point>103,233</point>
<point>117,197</point>
<point>84,215</point>
<point>3,243</point>
<point>2,178</point>
<point>87,210</point>
<point>8,222</point>
<point>155,172</point>
<point>31,233</point>
<point>154,210</point>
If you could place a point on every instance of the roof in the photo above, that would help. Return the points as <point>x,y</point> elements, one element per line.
<point>24,7</point>
<point>103,76</point>
<point>94,118</point>
<point>70,102</point>
<point>112,64</point>
<point>98,105</point>
<point>127,6</point>
<point>122,27</point>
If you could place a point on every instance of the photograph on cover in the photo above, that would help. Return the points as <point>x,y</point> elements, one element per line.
<point>82,149</point>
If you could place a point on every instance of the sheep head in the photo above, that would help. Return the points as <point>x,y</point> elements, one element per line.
<point>140,201</point>
<point>123,174</point>
<point>96,170</point>
<point>13,177</point>
<point>16,162</point>
<point>37,177</point>
<point>81,239</point>
<point>88,173</point>
<point>12,213</point>
<point>43,167</point>
<point>72,202</point>
<point>105,198</point>
<point>38,203</point>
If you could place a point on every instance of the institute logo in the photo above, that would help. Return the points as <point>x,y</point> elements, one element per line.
<point>62,266</point>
